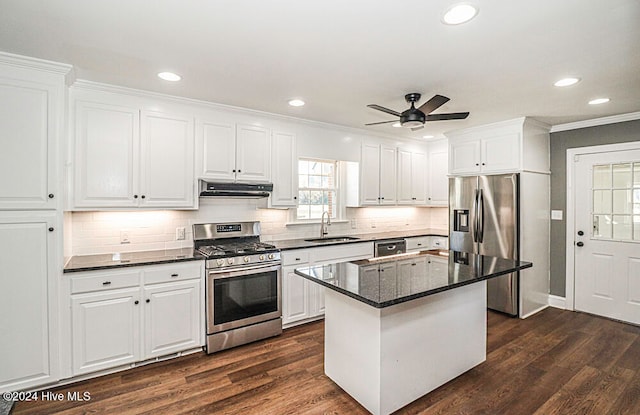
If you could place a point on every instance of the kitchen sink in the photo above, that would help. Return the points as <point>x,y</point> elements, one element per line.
<point>332,239</point>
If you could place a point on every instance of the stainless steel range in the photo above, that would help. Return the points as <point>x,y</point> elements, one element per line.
<point>243,284</point>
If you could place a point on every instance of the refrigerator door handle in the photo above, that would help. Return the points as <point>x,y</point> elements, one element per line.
<point>474,228</point>
<point>481,216</point>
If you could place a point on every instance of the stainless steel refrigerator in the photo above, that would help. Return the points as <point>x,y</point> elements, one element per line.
<point>484,218</point>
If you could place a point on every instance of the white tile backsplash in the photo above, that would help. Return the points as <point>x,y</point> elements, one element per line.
<point>99,232</point>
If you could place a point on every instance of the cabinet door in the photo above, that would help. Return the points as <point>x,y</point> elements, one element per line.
<point>28,159</point>
<point>284,170</point>
<point>167,161</point>
<point>295,297</point>
<point>27,288</point>
<point>253,153</point>
<point>370,175</point>
<point>405,189</point>
<point>218,150</point>
<point>316,297</point>
<point>172,320</point>
<point>106,155</point>
<point>387,175</point>
<point>438,180</point>
<point>418,179</point>
<point>464,157</point>
<point>419,275</point>
<point>105,329</point>
<point>438,272</point>
<point>501,153</point>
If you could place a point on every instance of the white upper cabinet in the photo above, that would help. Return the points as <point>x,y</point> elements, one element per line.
<point>131,158</point>
<point>515,145</point>
<point>233,152</point>
<point>31,113</point>
<point>377,175</point>
<point>438,166</point>
<point>107,150</point>
<point>284,170</point>
<point>167,161</point>
<point>412,178</point>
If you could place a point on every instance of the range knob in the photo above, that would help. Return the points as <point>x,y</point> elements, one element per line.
<point>246,259</point>
<point>220,262</point>
<point>261,257</point>
<point>229,261</point>
<point>271,256</point>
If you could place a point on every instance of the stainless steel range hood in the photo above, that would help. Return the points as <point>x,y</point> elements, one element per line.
<point>236,190</point>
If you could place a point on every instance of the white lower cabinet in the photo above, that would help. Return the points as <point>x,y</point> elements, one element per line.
<point>124,316</point>
<point>303,300</point>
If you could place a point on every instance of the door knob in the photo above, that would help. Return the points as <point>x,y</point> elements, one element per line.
<point>580,243</point>
<point>580,233</point>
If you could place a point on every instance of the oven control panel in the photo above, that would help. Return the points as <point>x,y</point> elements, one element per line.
<point>244,260</point>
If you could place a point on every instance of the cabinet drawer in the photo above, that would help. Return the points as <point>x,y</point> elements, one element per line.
<point>439,242</point>
<point>343,252</point>
<point>418,243</point>
<point>295,257</point>
<point>100,281</point>
<point>173,272</point>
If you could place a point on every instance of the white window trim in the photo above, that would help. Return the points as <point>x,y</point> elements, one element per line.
<point>340,194</point>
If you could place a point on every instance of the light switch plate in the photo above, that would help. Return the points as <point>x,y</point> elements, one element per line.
<point>556,215</point>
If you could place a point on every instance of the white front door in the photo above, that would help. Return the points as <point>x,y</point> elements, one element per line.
<point>607,234</point>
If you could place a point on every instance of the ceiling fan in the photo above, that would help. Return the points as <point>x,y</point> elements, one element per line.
<point>415,118</point>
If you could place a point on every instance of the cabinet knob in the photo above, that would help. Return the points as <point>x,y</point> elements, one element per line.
<point>477,164</point>
<point>234,170</point>
<point>135,196</point>
<point>147,300</point>
<point>136,302</point>
<point>295,197</point>
<point>51,229</point>
<point>143,196</point>
<point>483,164</point>
<point>239,171</point>
<point>382,198</point>
<point>50,195</point>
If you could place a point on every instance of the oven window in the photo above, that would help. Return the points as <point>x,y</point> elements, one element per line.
<point>237,298</point>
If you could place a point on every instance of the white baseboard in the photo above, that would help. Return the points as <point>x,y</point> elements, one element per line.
<point>557,302</point>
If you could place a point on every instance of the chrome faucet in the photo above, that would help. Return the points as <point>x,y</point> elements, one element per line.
<point>323,226</point>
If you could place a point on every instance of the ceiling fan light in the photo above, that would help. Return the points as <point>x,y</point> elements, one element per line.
<point>411,124</point>
<point>396,124</point>
<point>459,13</point>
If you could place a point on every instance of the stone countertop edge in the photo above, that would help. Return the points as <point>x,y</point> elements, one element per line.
<point>301,243</point>
<point>385,304</point>
<point>130,259</point>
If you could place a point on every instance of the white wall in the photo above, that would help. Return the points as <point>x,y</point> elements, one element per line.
<point>99,232</point>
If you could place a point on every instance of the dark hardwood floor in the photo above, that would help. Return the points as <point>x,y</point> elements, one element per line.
<point>556,362</point>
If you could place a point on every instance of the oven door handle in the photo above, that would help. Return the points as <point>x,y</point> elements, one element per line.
<point>228,273</point>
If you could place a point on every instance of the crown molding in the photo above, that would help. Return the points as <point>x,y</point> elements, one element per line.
<point>596,122</point>
<point>34,63</point>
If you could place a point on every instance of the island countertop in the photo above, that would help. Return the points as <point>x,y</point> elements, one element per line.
<point>383,282</point>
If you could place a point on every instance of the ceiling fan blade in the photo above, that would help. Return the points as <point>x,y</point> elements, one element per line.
<point>383,109</point>
<point>417,128</point>
<point>433,104</point>
<point>450,116</point>
<point>381,122</point>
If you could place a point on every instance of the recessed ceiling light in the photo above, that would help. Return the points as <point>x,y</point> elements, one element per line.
<point>427,136</point>
<point>599,101</point>
<point>296,102</point>
<point>459,13</point>
<point>567,82</point>
<point>396,124</point>
<point>169,76</point>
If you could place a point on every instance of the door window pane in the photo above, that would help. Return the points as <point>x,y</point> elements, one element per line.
<point>622,227</point>
<point>622,175</point>
<point>602,201</point>
<point>622,201</point>
<point>601,226</point>
<point>602,177</point>
<point>636,174</point>
<point>636,227</point>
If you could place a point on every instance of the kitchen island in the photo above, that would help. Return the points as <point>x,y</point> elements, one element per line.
<point>398,327</point>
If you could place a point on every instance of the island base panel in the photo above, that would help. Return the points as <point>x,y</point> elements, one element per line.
<point>387,358</point>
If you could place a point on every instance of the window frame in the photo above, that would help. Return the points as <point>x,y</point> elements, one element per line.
<point>337,185</point>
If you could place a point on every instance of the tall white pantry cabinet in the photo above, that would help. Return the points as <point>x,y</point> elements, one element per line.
<point>32,101</point>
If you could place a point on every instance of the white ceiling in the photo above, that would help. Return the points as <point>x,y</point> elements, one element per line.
<point>340,55</point>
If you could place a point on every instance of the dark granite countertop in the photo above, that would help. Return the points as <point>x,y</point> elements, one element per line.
<point>364,237</point>
<point>129,259</point>
<point>383,282</point>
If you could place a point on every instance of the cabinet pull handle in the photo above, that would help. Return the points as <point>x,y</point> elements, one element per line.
<point>136,302</point>
<point>106,283</point>
<point>50,195</point>
<point>147,300</point>
<point>419,244</point>
<point>297,259</point>
<point>174,275</point>
<point>51,229</point>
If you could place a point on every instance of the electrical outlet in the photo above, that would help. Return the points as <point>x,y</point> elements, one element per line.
<point>354,224</point>
<point>124,237</point>
<point>180,233</point>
